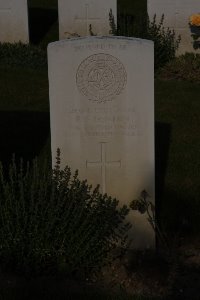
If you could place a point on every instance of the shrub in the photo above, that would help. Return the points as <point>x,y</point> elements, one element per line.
<point>165,41</point>
<point>51,221</point>
<point>19,54</point>
<point>184,67</point>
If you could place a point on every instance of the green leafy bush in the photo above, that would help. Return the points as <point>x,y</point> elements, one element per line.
<point>165,41</point>
<point>51,221</point>
<point>184,67</point>
<point>19,54</point>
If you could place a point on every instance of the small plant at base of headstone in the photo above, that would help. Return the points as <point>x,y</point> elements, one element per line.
<point>90,30</point>
<point>144,205</point>
<point>52,222</point>
<point>112,23</point>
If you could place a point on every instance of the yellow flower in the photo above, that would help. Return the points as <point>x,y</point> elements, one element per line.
<point>195,20</point>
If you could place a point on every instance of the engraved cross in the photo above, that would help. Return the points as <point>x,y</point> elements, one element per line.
<point>87,19</point>
<point>103,163</point>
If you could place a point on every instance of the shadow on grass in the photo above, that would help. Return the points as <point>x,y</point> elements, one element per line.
<point>162,144</point>
<point>176,210</point>
<point>23,133</point>
<point>40,21</point>
<point>180,213</point>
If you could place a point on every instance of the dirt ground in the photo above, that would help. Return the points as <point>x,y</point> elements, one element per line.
<point>163,274</point>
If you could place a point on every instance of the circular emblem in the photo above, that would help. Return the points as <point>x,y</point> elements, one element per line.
<point>101,77</point>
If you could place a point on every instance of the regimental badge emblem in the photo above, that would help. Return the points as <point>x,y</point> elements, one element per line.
<point>101,77</point>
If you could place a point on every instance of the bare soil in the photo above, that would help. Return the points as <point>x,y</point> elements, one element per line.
<point>163,274</point>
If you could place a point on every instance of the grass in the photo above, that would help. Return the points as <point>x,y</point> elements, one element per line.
<point>23,89</point>
<point>177,105</point>
<point>24,113</point>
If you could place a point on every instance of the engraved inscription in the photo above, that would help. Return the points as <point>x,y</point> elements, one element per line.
<point>103,122</point>
<point>5,4</point>
<point>100,46</point>
<point>101,77</point>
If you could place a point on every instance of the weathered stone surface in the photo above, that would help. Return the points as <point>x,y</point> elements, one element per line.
<point>102,117</point>
<point>14,21</point>
<point>75,17</point>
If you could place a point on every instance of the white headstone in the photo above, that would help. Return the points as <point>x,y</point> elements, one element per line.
<point>102,117</point>
<point>75,17</point>
<point>14,21</point>
<point>176,16</point>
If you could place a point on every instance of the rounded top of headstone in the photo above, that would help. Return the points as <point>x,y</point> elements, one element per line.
<point>93,39</point>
